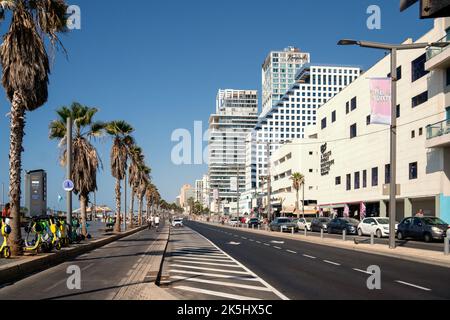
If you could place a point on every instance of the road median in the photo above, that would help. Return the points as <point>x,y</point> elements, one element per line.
<point>410,254</point>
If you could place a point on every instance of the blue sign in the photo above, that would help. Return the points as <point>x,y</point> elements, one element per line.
<point>68,185</point>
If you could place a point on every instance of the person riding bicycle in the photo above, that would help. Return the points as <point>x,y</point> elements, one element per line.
<point>156,219</point>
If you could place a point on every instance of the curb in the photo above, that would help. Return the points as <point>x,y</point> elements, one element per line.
<point>20,270</point>
<point>351,247</point>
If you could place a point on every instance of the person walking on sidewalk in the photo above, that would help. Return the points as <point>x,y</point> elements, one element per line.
<point>157,223</point>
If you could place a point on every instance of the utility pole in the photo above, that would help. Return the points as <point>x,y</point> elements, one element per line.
<point>269,185</point>
<point>125,211</point>
<point>238,191</point>
<point>3,195</point>
<point>393,182</point>
<point>69,171</point>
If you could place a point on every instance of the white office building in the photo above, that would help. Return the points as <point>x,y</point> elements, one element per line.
<point>236,115</point>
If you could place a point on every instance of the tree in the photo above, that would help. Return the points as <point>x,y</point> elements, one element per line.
<point>298,181</point>
<point>143,182</point>
<point>137,159</point>
<point>26,69</point>
<point>86,161</point>
<point>191,203</point>
<point>121,132</point>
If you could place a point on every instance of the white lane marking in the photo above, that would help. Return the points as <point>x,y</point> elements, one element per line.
<point>244,238</point>
<point>251,240</point>
<point>275,291</point>
<point>198,253</point>
<point>277,248</point>
<point>221,283</point>
<point>204,259</point>
<point>266,244</point>
<point>290,251</point>
<point>362,271</point>
<point>214,275</point>
<point>232,243</point>
<point>208,269</point>
<point>331,262</point>
<point>218,258</point>
<point>258,242</point>
<point>208,263</point>
<point>413,285</point>
<point>308,256</point>
<point>215,293</point>
<point>277,242</point>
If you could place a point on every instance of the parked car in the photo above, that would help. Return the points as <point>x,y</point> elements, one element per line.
<point>320,223</point>
<point>234,222</point>
<point>177,223</point>
<point>379,226</point>
<point>426,228</point>
<point>338,225</point>
<point>304,223</point>
<point>284,224</point>
<point>254,222</point>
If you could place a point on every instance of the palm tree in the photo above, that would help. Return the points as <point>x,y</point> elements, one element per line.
<point>137,159</point>
<point>152,196</point>
<point>298,181</point>
<point>26,69</point>
<point>121,133</point>
<point>143,182</point>
<point>86,161</point>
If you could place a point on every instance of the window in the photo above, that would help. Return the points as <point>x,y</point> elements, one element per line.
<point>364,179</point>
<point>338,181</point>
<point>447,78</point>
<point>368,120</point>
<point>398,111</point>
<point>375,177</point>
<point>419,99</point>
<point>333,116</point>
<point>357,180</point>
<point>418,67</point>
<point>349,182</point>
<point>413,171</point>
<point>399,73</point>
<point>324,123</point>
<point>347,108</point>
<point>387,174</point>
<point>353,131</point>
<point>413,134</point>
<point>420,131</point>
<point>353,104</point>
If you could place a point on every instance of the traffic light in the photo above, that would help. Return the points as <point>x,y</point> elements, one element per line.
<point>429,8</point>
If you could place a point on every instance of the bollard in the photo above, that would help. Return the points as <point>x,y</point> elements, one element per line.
<point>372,238</point>
<point>447,246</point>
<point>344,235</point>
<point>293,231</point>
<point>321,233</point>
<point>306,232</point>
<point>259,227</point>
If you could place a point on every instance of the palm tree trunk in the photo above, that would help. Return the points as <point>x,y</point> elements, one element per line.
<point>303,201</point>
<point>83,202</point>
<point>15,170</point>
<point>297,205</point>
<point>132,209</point>
<point>118,206</point>
<point>140,211</point>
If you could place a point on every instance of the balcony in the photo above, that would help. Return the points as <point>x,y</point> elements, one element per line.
<point>437,57</point>
<point>438,135</point>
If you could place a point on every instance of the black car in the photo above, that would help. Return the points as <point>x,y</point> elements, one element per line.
<point>319,224</point>
<point>422,228</point>
<point>338,225</point>
<point>254,222</point>
<point>283,224</point>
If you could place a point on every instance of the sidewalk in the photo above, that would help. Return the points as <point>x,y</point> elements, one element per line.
<point>17,268</point>
<point>410,254</point>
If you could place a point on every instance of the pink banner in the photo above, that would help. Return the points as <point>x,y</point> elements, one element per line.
<point>380,101</point>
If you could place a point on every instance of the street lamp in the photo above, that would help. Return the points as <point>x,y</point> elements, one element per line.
<point>393,48</point>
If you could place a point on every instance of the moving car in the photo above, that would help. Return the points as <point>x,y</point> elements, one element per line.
<point>320,223</point>
<point>379,226</point>
<point>283,224</point>
<point>304,223</point>
<point>423,228</point>
<point>338,225</point>
<point>177,223</point>
<point>254,222</point>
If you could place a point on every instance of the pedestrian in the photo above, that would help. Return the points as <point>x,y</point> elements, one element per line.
<point>157,223</point>
<point>6,212</point>
<point>152,220</point>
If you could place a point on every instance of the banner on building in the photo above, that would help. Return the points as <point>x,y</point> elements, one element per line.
<point>380,101</point>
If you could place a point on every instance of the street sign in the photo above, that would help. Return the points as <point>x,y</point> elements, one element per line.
<point>68,186</point>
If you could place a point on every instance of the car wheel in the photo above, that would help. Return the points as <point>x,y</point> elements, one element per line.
<point>400,235</point>
<point>360,233</point>
<point>427,237</point>
<point>379,234</point>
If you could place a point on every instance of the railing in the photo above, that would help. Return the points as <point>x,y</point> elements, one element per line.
<point>434,51</point>
<point>438,129</point>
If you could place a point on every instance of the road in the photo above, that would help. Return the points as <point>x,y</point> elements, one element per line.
<point>103,273</point>
<point>300,270</point>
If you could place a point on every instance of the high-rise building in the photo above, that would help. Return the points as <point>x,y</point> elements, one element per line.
<point>199,190</point>
<point>278,74</point>
<point>186,192</point>
<point>236,115</point>
<point>36,192</point>
<point>315,84</point>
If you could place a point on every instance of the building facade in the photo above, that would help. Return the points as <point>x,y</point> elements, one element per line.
<point>355,154</point>
<point>236,115</point>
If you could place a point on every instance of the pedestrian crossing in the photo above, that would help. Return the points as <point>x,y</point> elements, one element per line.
<point>196,269</point>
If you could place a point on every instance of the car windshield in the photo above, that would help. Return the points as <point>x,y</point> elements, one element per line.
<point>433,221</point>
<point>324,220</point>
<point>383,221</point>
<point>352,221</point>
<point>309,219</point>
<point>284,221</point>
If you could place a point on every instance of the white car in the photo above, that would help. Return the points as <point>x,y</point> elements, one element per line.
<point>379,227</point>
<point>234,222</point>
<point>177,223</point>
<point>304,223</point>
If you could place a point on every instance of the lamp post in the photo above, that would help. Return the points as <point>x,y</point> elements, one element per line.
<point>393,49</point>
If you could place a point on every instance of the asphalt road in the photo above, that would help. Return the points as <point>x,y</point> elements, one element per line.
<point>102,272</point>
<point>308,271</point>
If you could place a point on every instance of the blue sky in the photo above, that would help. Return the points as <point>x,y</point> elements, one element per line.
<point>159,64</point>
